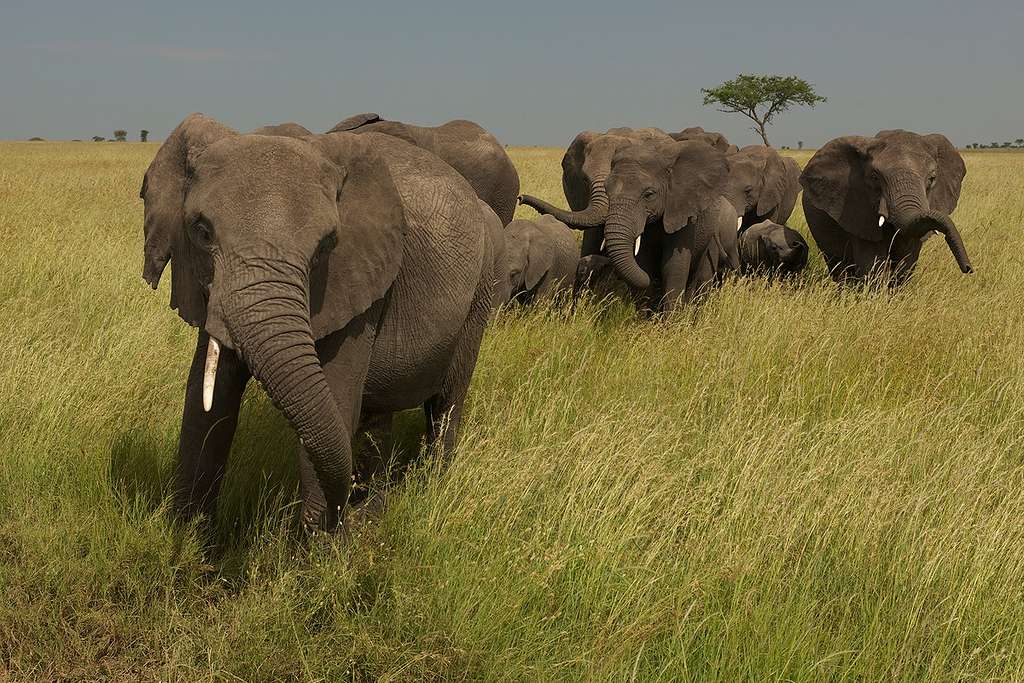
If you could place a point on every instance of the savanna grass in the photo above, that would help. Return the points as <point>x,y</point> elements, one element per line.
<point>790,482</point>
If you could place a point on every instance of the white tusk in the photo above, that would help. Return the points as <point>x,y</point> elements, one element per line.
<point>602,245</point>
<point>881,220</point>
<point>739,222</point>
<point>636,246</point>
<point>210,374</point>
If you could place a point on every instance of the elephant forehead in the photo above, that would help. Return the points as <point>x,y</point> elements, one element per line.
<point>900,149</point>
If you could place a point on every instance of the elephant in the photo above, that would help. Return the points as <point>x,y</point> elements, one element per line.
<point>768,247</point>
<point>289,130</point>
<point>585,168</point>
<point>669,219</point>
<point>465,146</point>
<point>542,257</point>
<point>763,185</point>
<point>715,139</point>
<point>872,202</point>
<point>596,274</point>
<point>322,267</point>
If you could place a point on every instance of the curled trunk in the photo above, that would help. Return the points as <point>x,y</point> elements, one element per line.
<point>269,321</point>
<point>623,227</point>
<point>908,206</point>
<point>590,217</point>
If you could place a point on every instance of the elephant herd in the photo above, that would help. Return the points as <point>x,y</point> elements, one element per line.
<point>352,273</point>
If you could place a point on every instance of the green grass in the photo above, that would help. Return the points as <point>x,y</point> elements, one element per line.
<point>790,483</point>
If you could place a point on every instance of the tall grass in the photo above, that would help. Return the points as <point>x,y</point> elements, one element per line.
<point>790,483</point>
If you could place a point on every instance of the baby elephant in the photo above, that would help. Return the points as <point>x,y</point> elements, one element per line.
<point>542,255</point>
<point>773,248</point>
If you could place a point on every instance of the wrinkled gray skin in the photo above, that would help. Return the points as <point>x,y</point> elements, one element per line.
<point>763,185</point>
<point>911,182</point>
<point>465,146</point>
<point>585,168</point>
<point>324,270</point>
<point>541,256</point>
<point>673,195</point>
<point>715,139</point>
<point>288,130</point>
<point>773,249</point>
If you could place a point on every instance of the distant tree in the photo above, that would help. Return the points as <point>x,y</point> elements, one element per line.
<point>98,138</point>
<point>143,135</point>
<point>1006,144</point>
<point>994,145</point>
<point>1019,142</point>
<point>800,144</point>
<point>760,98</point>
<point>120,135</point>
<point>36,140</point>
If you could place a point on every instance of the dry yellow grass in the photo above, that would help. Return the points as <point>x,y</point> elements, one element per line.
<point>790,483</point>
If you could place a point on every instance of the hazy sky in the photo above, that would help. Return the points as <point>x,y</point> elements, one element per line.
<point>532,72</point>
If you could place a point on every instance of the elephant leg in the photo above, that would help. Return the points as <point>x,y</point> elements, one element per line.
<point>205,439</point>
<point>677,259</point>
<point>345,358</point>
<point>373,452</point>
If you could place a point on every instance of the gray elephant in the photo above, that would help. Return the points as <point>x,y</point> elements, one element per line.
<point>465,146</point>
<point>585,168</point>
<point>768,247</point>
<point>872,202</point>
<point>669,220</point>
<point>288,130</point>
<point>321,267</point>
<point>542,256</point>
<point>713,138</point>
<point>763,185</point>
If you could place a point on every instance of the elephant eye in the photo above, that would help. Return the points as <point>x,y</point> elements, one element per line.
<point>648,193</point>
<point>202,234</point>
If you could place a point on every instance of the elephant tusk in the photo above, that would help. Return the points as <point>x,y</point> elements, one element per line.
<point>602,245</point>
<point>739,223</point>
<point>210,374</point>
<point>881,220</point>
<point>636,246</point>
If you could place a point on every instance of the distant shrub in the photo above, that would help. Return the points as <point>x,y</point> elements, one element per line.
<point>98,138</point>
<point>120,135</point>
<point>36,140</point>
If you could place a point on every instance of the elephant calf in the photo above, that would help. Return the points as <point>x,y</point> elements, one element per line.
<point>768,247</point>
<point>323,267</point>
<point>542,256</point>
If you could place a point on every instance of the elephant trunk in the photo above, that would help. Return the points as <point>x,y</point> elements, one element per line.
<point>622,232</point>
<point>591,217</point>
<point>267,316</point>
<point>908,205</point>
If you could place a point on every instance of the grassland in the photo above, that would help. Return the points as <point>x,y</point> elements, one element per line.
<point>792,483</point>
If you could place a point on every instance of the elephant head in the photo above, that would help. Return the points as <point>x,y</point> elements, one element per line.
<point>257,228</point>
<point>896,186</point>
<point>716,140</point>
<point>773,247</point>
<point>585,169</point>
<point>288,130</point>
<point>671,183</point>
<point>762,185</point>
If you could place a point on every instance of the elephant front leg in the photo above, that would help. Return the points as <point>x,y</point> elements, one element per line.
<point>675,273</point>
<point>206,436</point>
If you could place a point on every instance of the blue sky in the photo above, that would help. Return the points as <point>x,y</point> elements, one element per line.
<point>531,72</point>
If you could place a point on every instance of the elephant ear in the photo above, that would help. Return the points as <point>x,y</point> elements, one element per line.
<point>163,191</point>
<point>353,122</point>
<point>951,170</point>
<point>370,236</point>
<point>774,181</point>
<point>785,209</point>
<point>697,176</point>
<point>540,257</point>
<point>834,182</point>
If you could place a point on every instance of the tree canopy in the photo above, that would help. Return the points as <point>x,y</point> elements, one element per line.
<point>761,98</point>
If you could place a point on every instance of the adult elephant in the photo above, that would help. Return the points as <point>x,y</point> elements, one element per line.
<point>322,267</point>
<point>585,168</point>
<point>713,138</point>
<point>763,185</point>
<point>289,129</point>
<point>872,202</point>
<point>669,219</point>
<point>465,146</point>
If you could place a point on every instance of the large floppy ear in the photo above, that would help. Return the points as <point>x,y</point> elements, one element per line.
<point>834,182</point>
<point>698,174</point>
<point>951,170</point>
<point>540,256</point>
<point>163,190</point>
<point>353,122</point>
<point>788,203</point>
<point>774,179</point>
<point>370,236</point>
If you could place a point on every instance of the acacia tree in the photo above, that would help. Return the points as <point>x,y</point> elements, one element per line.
<point>760,98</point>
<point>120,135</point>
<point>143,135</point>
